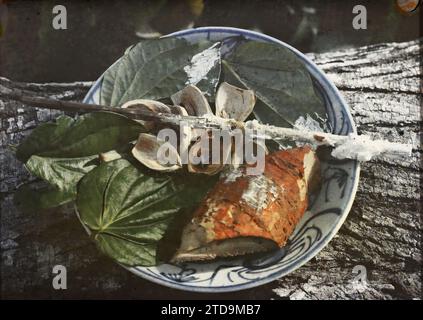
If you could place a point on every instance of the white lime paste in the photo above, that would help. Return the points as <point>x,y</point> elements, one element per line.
<point>260,193</point>
<point>362,148</point>
<point>310,124</point>
<point>201,64</point>
<point>231,174</point>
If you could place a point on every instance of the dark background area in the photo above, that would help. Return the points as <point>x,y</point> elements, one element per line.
<point>99,31</point>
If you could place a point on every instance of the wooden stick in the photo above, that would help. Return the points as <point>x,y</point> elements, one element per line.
<point>136,114</point>
<point>352,147</point>
<point>357,147</point>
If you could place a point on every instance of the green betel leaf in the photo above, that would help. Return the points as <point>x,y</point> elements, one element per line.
<point>94,133</point>
<point>129,211</point>
<point>156,69</point>
<point>86,135</point>
<point>31,199</point>
<point>61,153</point>
<point>44,137</point>
<point>279,79</point>
<point>63,173</point>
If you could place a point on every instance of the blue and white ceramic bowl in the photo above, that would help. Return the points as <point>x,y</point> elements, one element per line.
<point>318,225</point>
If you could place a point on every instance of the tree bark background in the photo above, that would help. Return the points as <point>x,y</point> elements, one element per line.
<point>381,84</point>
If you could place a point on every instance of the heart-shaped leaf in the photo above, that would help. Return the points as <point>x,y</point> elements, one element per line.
<point>63,173</point>
<point>44,137</point>
<point>279,79</point>
<point>129,210</point>
<point>30,199</point>
<point>86,135</point>
<point>156,69</point>
<point>62,152</point>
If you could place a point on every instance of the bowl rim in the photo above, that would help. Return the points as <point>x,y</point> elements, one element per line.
<point>327,238</point>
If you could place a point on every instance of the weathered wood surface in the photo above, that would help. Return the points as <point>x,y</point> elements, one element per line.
<point>382,233</point>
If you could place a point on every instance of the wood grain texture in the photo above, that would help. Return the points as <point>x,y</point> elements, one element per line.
<point>381,84</point>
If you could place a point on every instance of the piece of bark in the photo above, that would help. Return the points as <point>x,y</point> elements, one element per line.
<point>244,213</point>
<point>382,233</point>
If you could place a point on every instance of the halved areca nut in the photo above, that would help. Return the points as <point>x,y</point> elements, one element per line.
<point>156,154</point>
<point>152,105</point>
<point>245,214</point>
<point>109,156</point>
<point>233,102</point>
<point>216,160</point>
<point>179,110</point>
<point>193,100</point>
